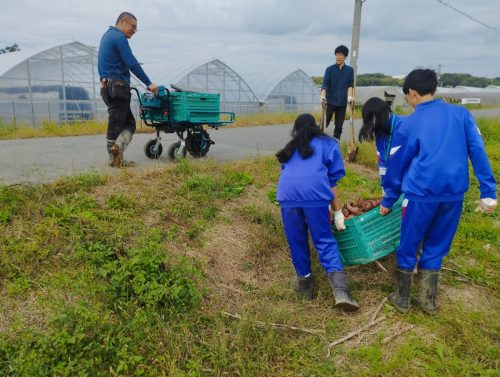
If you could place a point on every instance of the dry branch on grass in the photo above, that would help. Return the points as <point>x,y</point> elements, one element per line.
<point>387,339</point>
<point>281,326</point>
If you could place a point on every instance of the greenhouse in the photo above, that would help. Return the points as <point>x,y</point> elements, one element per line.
<point>56,83</point>
<point>213,76</point>
<point>295,91</point>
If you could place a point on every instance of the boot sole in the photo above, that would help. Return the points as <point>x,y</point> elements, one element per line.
<point>399,308</point>
<point>347,307</point>
<point>117,160</point>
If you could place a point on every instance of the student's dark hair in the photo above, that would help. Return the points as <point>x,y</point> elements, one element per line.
<point>304,130</point>
<point>343,50</point>
<point>424,81</point>
<point>125,16</point>
<point>375,113</point>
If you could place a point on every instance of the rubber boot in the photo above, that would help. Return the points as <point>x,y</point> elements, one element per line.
<point>121,143</point>
<point>304,287</point>
<point>428,292</point>
<point>109,145</point>
<point>343,298</point>
<point>401,298</point>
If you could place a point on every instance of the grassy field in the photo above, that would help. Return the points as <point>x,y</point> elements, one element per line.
<point>184,271</point>
<point>50,129</point>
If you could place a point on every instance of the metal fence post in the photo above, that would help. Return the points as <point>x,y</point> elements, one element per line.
<point>14,113</point>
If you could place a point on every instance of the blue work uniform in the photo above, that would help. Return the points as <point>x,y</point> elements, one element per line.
<point>428,162</point>
<point>304,193</point>
<point>383,145</point>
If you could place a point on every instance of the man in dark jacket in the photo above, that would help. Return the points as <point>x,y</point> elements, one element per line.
<point>115,62</point>
<point>337,89</point>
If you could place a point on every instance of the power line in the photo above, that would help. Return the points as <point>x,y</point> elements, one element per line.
<point>469,16</point>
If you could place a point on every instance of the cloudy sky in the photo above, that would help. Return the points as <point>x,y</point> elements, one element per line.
<point>249,35</point>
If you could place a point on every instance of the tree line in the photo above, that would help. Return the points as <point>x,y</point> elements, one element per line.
<point>446,80</point>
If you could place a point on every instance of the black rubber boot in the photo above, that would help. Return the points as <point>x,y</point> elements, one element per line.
<point>343,298</point>
<point>401,298</point>
<point>304,287</point>
<point>428,292</point>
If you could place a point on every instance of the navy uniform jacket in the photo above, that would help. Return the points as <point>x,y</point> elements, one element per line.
<point>335,82</point>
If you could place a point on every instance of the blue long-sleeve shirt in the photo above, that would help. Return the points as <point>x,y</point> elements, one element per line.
<point>383,144</point>
<point>336,81</point>
<point>307,183</point>
<point>428,160</point>
<point>115,59</point>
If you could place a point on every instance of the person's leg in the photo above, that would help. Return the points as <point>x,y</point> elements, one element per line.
<point>339,121</point>
<point>318,220</point>
<point>329,114</point>
<point>414,224</point>
<point>295,227</point>
<point>436,245</point>
<point>439,236</point>
<point>296,233</point>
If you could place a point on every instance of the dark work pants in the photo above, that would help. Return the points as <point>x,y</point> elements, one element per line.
<point>116,95</point>
<point>339,118</point>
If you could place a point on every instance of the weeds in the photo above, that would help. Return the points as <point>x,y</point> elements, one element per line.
<point>95,280</point>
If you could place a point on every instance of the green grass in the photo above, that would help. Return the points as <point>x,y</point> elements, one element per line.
<point>132,275</point>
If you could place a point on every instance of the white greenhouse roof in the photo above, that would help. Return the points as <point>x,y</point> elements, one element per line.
<point>12,59</point>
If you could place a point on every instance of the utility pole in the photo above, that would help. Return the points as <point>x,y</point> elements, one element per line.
<point>356,27</point>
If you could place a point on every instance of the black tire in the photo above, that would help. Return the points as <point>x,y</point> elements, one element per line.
<point>198,143</point>
<point>175,152</point>
<point>149,150</point>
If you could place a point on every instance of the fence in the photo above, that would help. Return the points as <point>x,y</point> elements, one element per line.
<point>35,112</point>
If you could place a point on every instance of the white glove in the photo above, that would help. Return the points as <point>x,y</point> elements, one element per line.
<point>487,205</point>
<point>350,99</point>
<point>338,219</point>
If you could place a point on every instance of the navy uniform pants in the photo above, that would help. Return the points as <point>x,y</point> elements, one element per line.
<point>433,224</point>
<point>298,223</point>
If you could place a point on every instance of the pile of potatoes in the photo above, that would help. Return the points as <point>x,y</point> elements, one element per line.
<point>359,207</point>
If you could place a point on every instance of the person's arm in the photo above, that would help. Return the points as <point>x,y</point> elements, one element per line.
<point>325,85</point>
<point>481,165</point>
<point>350,88</point>
<point>338,216</point>
<point>131,62</point>
<point>336,171</point>
<point>401,154</point>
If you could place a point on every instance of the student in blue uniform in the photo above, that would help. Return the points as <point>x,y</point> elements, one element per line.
<point>379,124</point>
<point>428,162</point>
<point>311,165</point>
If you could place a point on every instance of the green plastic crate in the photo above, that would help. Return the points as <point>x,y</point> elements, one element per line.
<point>195,107</point>
<point>369,236</point>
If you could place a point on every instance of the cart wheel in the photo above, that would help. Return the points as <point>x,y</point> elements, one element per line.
<point>198,143</point>
<point>176,152</point>
<point>150,151</point>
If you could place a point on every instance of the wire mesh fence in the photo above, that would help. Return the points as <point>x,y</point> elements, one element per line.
<point>35,112</point>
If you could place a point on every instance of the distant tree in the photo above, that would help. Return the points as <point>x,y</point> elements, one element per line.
<point>318,80</point>
<point>377,79</point>
<point>11,48</point>
<point>446,79</point>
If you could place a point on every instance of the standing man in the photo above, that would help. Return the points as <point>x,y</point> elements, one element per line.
<point>115,62</point>
<point>337,89</point>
